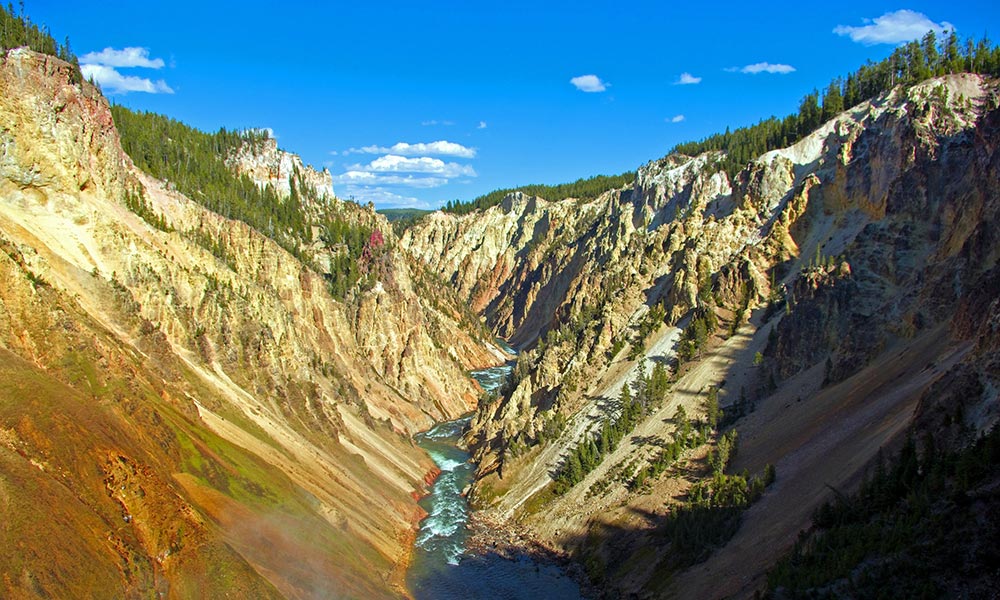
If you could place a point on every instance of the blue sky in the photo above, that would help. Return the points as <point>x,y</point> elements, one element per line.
<point>415,104</point>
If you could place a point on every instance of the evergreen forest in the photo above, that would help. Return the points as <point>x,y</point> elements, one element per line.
<point>16,30</point>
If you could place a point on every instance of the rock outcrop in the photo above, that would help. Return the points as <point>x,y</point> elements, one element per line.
<point>266,164</point>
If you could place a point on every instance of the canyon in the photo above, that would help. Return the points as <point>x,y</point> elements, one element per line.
<point>187,407</point>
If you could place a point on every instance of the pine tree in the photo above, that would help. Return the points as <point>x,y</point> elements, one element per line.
<point>574,469</point>
<point>833,100</point>
<point>931,56</point>
<point>605,438</point>
<point>712,407</point>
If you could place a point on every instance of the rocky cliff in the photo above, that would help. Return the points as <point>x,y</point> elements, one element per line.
<point>185,406</point>
<point>823,295</point>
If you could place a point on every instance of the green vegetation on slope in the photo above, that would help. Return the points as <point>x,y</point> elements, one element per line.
<point>909,64</point>
<point>582,189</point>
<point>589,453</point>
<point>694,526</point>
<point>17,30</point>
<point>913,530</point>
<point>346,267</point>
<point>195,162</point>
<point>135,201</point>
<point>712,512</point>
<point>703,324</point>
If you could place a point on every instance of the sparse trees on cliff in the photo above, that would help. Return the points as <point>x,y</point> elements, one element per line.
<point>16,29</point>
<point>195,162</point>
<point>913,524</point>
<point>833,100</point>
<point>909,64</point>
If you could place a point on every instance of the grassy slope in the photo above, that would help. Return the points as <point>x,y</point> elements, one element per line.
<point>109,482</point>
<point>89,509</point>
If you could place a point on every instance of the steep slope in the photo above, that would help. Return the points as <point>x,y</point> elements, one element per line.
<point>213,418</point>
<point>822,296</point>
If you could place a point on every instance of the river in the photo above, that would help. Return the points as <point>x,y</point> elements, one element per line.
<point>441,568</point>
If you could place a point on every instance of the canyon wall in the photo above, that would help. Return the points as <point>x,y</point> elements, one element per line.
<point>207,414</point>
<point>831,294</point>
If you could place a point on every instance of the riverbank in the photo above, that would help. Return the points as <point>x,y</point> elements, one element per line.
<point>510,541</point>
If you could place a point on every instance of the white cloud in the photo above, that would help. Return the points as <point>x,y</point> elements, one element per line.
<point>893,28</point>
<point>589,83</point>
<point>103,66</point>
<point>404,165</point>
<point>436,122</point>
<point>422,172</point>
<point>687,79</point>
<point>114,82</point>
<point>126,57</point>
<point>482,125</point>
<point>438,148</point>
<point>675,119</point>
<point>393,163</point>
<point>766,67</point>
<point>369,178</point>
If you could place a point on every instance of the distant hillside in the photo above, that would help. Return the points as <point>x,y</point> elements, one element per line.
<point>402,214</point>
<point>581,189</point>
